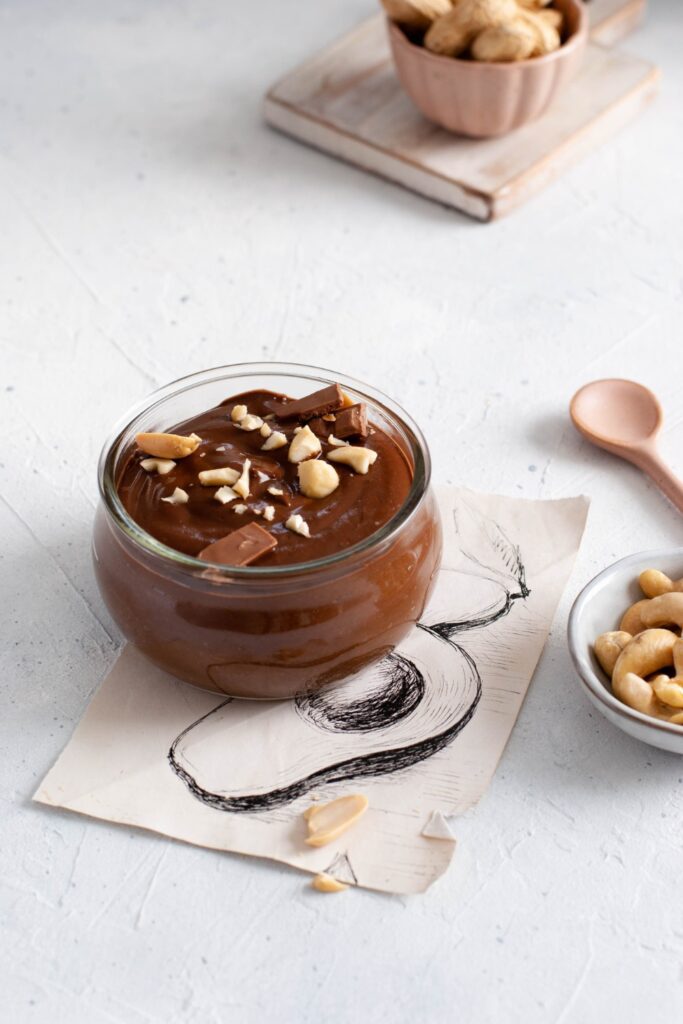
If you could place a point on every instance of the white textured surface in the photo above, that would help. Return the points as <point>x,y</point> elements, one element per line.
<point>151,226</point>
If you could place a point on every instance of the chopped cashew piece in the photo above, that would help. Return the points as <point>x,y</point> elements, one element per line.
<point>304,445</point>
<point>250,423</point>
<point>160,466</point>
<point>240,509</point>
<point>359,459</point>
<point>317,479</point>
<point>168,446</point>
<point>269,513</point>
<point>238,413</point>
<point>336,442</point>
<point>297,524</point>
<point>179,497</point>
<point>216,477</point>
<point>326,883</point>
<point>225,495</point>
<point>242,485</point>
<point>266,430</point>
<point>276,440</point>
<point>327,821</point>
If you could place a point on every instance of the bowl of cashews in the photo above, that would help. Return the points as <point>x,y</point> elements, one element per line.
<point>625,640</point>
<point>483,68</point>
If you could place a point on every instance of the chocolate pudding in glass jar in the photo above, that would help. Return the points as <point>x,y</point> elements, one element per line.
<point>266,529</point>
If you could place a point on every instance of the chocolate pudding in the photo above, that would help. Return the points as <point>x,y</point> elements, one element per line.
<point>279,494</point>
<point>270,544</point>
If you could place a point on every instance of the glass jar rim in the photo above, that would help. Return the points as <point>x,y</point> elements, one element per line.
<point>144,540</point>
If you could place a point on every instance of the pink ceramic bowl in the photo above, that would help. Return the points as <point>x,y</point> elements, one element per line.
<point>484,99</point>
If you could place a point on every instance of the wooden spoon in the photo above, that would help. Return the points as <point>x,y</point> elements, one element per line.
<point>624,418</point>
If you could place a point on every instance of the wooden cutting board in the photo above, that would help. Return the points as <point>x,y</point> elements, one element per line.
<point>347,101</point>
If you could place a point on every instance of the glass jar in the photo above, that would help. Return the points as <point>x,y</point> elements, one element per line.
<point>257,631</point>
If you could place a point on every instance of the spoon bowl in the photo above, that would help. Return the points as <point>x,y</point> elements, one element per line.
<point>616,413</point>
<point>624,418</point>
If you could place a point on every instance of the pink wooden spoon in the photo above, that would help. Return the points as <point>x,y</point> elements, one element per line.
<point>625,418</point>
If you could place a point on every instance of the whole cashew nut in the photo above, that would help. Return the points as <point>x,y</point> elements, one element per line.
<point>654,583</point>
<point>646,653</point>
<point>670,691</point>
<point>608,647</point>
<point>632,621</point>
<point>665,610</point>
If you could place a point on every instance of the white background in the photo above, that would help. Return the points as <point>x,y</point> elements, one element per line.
<point>150,225</point>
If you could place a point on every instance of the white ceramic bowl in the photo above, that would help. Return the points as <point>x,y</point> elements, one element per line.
<point>599,608</point>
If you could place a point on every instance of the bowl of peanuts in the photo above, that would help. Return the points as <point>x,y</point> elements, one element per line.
<point>482,68</point>
<point>625,640</point>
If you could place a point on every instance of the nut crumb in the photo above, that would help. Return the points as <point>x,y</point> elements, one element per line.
<point>262,476</point>
<point>216,477</point>
<point>330,417</point>
<point>266,430</point>
<point>167,446</point>
<point>359,459</point>
<point>276,491</point>
<point>269,513</point>
<point>225,495</point>
<point>179,497</point>
<point>326,883</point>
<point>250,423</point>
<point>160,466</point>
<point>336,442</point>
<point>276,440</point>
<point>239,509</point>
<point>297,524</point>
<point>317,478</point>
<point>238,413</point>
<point>242,484</point>
<point>304,445</point>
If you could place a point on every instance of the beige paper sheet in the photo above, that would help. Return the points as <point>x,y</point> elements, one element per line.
<point>420,734</point>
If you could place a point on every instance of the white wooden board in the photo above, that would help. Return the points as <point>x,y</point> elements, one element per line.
<point>348,102</point>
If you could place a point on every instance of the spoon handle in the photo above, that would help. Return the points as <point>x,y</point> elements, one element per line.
<point>651,463</point>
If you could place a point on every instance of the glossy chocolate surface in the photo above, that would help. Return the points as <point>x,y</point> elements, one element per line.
<point>359,506</point>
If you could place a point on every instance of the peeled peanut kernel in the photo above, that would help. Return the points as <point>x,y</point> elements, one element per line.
<point>336,443</point>
<point>327,821</point>
<point>238,413</point>
<point>297,524</point>
<point>225,495</point>
<point>276,440</point>
<point>317,479</point>
<point>160,466</point>
<point>250,423</point>
<point>179,497</point>
<point>241,486</point>
<point>326,883</point>
<point>216,477</point>
<point>168,446</point>
<point>304,445</point>
<point>359,459</point>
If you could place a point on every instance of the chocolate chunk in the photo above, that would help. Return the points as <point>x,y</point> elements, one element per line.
<point>320,402</point>
<point>352,422</point>
<point>241,547</point>
<point>320,427</point>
